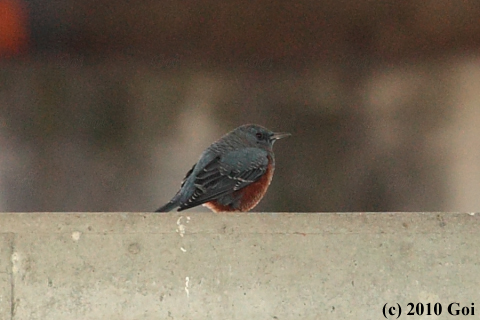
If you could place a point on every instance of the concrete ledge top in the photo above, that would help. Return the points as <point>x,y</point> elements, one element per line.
<point>287,223</point>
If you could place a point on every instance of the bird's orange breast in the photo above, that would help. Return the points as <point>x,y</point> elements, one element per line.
<point>249,196</point>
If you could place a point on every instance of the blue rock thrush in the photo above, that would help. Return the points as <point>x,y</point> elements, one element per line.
<point>233,173</point>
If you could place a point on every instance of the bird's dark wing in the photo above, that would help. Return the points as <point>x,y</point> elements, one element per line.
<point>226,174</point>
<point>187,175</point>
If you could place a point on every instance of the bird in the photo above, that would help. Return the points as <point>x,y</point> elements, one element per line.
<point>232,175</point>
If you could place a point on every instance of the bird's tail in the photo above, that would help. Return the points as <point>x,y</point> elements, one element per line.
<point>167,207</point>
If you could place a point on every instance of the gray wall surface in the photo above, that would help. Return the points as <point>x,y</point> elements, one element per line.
<point>236,266</point>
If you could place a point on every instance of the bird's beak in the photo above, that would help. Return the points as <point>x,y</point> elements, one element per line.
<point>279,135</point>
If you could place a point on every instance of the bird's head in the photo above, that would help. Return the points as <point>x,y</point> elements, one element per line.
<point>259,136</point>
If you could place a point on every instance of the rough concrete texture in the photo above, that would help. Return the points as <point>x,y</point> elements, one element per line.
<point>5,275</point>
<point>237,266</point>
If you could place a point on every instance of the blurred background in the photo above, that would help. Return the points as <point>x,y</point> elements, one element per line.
<point>105,105</point>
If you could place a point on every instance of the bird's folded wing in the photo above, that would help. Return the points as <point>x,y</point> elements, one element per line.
<point>227,173</point>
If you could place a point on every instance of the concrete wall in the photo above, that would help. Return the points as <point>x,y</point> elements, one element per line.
<point>243,266</point>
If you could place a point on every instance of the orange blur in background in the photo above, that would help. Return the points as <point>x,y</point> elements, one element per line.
<point>13,28</point>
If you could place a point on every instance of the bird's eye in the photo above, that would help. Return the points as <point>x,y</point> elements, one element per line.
<point>259,135</point>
